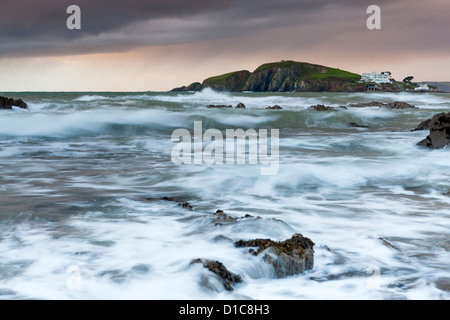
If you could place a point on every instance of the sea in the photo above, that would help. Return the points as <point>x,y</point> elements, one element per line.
<point>83,177</point>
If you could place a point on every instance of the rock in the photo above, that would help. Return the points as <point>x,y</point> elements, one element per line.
<point>356,125</point>
<point>390,105</point>
<point>9,103</point>
<point>425,125</point>
<point>220,218</point>
<point>240,106</point>
<point>227,278</point>
<point>399,105</point>
<point>447,194</point>
<point>366,105</point>
<point>275,107</point>
<point>321,107</point>
<point>289,257</point>
<point>212,106</point>
<point>185,205</point>
<point>439,136</point>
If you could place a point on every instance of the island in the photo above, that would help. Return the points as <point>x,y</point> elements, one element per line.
<point>292,76</point>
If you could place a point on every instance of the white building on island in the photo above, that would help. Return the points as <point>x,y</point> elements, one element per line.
<point>382,77</point>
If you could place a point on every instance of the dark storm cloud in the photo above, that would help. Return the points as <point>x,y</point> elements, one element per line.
<point>31,27</point>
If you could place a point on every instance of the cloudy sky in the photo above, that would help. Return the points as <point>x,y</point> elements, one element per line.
<point>140,45</point>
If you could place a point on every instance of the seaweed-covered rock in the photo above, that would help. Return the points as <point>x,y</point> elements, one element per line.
<point>9,103</point>
<point>289,257</point>
<point>227,278</point>
<point>439,136</point>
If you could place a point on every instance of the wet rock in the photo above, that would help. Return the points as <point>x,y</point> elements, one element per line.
<point>240,106</point>
<point>227,278</point>
<point>399,105</point>
<point>221,238</point>
<point>221,218</point>
<point>439,136</point>
<point>366,105</point>
<point>185,205</point>
<point>275,107</point>
<point>9,103</point>
<point>387,243</point>
<point>356,125</point>
<point>321,107</point>
<point>289,257</point>
<point>447,194</point>
<point>213,106</point>
<point>425,125</point>
<point>390,105</point>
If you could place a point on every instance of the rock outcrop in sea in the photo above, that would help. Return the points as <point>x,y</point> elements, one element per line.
<point>439,127</point>
<point>227,278</point>
<point>288,258</point>
<point>9,103</point>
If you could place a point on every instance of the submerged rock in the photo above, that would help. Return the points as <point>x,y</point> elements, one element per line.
<point>240,106</point>
<point>9,103</point>
<point>275,107</point>
<point>289,257</point>
<point>439,136</point>
<point>221,218</point>
<point>213,106</point>
<point>356,125</point>
<point>227,278</point>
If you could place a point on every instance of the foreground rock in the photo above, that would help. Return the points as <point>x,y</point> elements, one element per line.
<point>357,125</point>
<point>227,278</point>
<point>288,258</point>
<point>439,136</point>
<point>9,103</point>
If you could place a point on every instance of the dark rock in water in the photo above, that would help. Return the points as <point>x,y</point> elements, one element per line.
<point>321,107</point>
<point>366,105</point>
<point>391,105</point>
<point>227,278</point>
<point>439,136</point>
<point>289,257</point>
<point>399,105</point>
<point>447,194</point>
<point>213,106</point>
<point>275,107</point>
<point>185,205</point>
<point>221,238</point>
<point>425,125</point>
<point>9,103</point>
<point>356,125</point>
<point>240,106</point>
<point>221,218</point>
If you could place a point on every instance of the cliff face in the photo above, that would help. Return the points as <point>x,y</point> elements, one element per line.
<point>284,76</point>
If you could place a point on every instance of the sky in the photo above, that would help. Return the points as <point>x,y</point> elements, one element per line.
<point>156,45</point>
